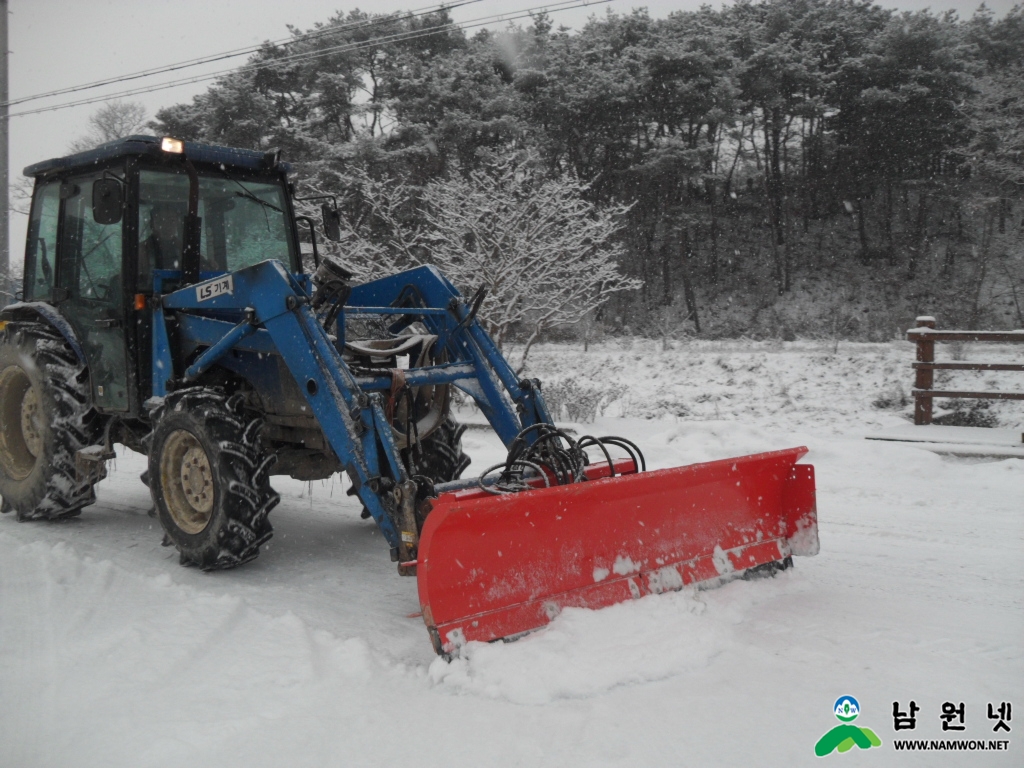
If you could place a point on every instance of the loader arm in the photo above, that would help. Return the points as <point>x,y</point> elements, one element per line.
<point>274,316</point>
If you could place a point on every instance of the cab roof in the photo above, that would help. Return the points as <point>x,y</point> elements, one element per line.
<point>247,159</point>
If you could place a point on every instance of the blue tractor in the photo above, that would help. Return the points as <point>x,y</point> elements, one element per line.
<point>166,307</point>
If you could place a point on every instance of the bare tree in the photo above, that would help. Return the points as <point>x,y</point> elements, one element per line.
<point>546,255</point>
<point>114,120</point>
<point>20,199</point>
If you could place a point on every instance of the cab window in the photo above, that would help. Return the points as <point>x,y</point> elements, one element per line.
<point>90,252</point>
<point>41,249</point>
<point>243,223</point>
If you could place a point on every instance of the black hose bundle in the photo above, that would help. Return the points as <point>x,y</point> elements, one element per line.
<point>554,457</point>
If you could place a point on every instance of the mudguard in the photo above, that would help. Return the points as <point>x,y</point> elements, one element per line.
<point>496,566</point>
<point>48,313</point>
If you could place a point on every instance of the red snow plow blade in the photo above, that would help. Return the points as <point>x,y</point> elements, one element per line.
<point>495,566</point>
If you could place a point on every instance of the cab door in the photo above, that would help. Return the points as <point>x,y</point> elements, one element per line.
<point>92,295</point>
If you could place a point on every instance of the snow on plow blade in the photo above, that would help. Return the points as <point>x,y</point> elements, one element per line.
<point>495,566</point>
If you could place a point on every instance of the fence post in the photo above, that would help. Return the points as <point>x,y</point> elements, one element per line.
<point>925,377</point>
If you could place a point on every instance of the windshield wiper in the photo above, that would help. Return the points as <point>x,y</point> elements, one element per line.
<point>250,196</point>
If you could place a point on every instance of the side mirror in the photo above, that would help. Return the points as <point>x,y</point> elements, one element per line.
<point>332,223</point>
<point>107,201</point>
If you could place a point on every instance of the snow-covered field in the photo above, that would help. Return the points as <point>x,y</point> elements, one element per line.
<point>111,654</point>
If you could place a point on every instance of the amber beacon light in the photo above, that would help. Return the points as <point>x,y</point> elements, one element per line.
<point>175,146</point>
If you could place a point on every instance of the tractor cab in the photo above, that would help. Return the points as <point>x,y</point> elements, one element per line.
<point>103,222</point>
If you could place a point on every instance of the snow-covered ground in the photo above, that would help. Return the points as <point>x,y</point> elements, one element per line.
<point>111,654</point>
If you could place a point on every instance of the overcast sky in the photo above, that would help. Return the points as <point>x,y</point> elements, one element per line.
<point>60,43</point>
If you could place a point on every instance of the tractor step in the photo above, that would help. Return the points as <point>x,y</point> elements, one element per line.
<point>91,463</point>
<point>495,566</point>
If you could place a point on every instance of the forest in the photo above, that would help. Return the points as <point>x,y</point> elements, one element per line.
<point>775,169</point>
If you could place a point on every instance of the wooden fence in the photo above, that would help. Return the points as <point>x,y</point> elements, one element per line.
<point>926,337</point>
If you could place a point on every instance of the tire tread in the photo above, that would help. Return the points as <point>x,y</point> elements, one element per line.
<point>242,470</point>
<point>76,424</point>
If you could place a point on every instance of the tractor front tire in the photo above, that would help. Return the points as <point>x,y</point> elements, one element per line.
<point>209,476</point>
<point>45,417</point>
<point>442,459</point>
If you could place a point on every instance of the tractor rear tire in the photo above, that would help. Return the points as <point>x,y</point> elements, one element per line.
<point>45,417</point>
<point>209,476</point>
<point>442,459</point>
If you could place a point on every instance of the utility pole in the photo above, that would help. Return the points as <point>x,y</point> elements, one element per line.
<point>6,284</point>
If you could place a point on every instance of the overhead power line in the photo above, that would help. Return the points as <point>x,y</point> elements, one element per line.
<point>236,52</point>
<point>348,47</point>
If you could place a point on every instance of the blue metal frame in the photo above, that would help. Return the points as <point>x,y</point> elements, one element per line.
<point>267,311</point>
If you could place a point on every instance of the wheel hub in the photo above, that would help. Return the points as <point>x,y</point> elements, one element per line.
<point>22,427</point>
<point>197,480</point>
<point>187,481</point>
<point>32,422</point>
